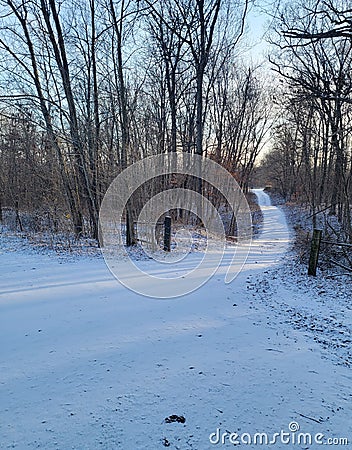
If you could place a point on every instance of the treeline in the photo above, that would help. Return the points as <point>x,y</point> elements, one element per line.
<point>89,87</point>
<point>311,159</point>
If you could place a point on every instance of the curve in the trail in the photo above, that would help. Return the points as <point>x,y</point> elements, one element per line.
<point>272,243</point>
<point>262,197</point>
<point>266,249</point>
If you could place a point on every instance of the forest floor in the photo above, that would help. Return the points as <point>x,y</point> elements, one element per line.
<point>87,364</point>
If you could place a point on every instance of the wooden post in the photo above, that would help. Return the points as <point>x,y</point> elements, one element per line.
<point>167,234</point>
<point>314,252</point>
<point>18,218</point>
<point>128,230</point>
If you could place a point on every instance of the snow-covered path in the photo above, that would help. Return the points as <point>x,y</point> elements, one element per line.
<point>87,364</point>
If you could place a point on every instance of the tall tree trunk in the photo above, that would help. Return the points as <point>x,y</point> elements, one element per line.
<point>125,124</point>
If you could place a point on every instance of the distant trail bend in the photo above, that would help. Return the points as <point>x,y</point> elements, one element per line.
<point>274,238</point>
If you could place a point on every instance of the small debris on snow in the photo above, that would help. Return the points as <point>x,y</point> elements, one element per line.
<point>175,418</point>
<point>166,443</point>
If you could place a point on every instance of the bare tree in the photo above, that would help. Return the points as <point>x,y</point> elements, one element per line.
<point>316,69</point>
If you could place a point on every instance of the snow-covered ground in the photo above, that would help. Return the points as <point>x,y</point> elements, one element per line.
<point>87,364</point>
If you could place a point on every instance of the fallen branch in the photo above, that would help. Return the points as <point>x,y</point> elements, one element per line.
<point>341,244</point>
<point>341,265</point>
<point>309,418</point>
<point>336,275</point>
<point>318,212</point>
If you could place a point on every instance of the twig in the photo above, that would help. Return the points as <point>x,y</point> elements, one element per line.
<point>337,275</point>
<point>341,265</point>
<point>318,212</point>
<point>310,418</point>
<point>342,244</point>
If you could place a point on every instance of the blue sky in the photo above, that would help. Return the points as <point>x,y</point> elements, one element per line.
<point>258,23</point>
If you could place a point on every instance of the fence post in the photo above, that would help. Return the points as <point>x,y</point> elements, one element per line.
<point>167,234</point>
<point>314,252</point>
<point>128,230</point>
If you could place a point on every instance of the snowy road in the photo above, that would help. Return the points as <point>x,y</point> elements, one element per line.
<point>87,364</point>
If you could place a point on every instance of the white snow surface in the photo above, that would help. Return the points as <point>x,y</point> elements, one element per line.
<point>87,364</point>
